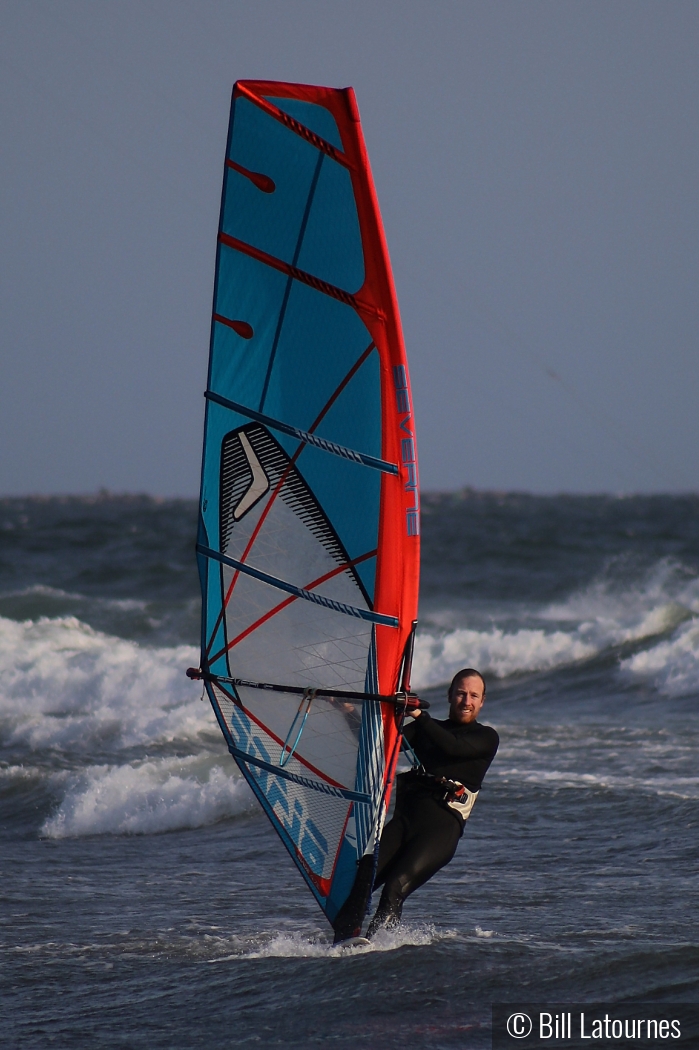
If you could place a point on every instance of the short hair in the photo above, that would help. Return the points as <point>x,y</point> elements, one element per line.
<point>466,672</point>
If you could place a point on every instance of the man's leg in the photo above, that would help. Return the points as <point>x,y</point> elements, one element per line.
<point>349,919</point>
<point>393,837</point>
<point>434,836</point>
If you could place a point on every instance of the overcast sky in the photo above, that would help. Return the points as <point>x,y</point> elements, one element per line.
<point>536,165</point>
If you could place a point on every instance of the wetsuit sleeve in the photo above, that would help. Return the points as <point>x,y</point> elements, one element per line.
<point>483,744</point>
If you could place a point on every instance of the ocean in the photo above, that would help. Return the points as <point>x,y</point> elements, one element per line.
<point>145,900</point>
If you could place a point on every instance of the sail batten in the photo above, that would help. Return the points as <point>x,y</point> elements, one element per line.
<point>308,545</point>
<point>293,271</point>
<point>295,125</point>
<point>299,592</point>
<point>302,435</point>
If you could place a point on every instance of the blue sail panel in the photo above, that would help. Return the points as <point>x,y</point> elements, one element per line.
<point>316,118</point>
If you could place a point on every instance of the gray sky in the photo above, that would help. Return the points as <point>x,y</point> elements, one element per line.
<point>536,164</point>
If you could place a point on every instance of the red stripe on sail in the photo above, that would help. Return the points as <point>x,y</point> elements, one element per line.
<point>241,327</point>
<point>299,275</point>
<point>263,182</point>
<point>294,125</point>
<point>278,740</point>
<point>287,601</point>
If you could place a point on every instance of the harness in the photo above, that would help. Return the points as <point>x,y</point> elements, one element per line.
<point>453,793</point>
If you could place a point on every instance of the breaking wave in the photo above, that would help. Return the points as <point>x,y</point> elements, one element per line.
<point>64,685</point>
<point>671,666</point>
<point>114,734</point>
<point>599,617</point>
<point>93,711</point>
<point>497,652</point>
<point>148,797</point>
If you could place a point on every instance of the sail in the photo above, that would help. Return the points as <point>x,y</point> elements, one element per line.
<point>308,541</point>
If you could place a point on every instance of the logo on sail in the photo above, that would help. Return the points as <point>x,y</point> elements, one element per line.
<point>259,483</point>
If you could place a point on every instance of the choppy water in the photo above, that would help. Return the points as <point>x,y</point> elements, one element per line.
<point>147,903</point>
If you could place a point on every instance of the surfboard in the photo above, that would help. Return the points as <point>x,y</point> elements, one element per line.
<point>308,535</point>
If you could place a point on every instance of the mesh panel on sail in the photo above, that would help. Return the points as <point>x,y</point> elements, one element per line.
<point>310,808</point>
<point>284,533</point>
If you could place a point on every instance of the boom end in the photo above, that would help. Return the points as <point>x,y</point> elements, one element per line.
<point>411,702</point>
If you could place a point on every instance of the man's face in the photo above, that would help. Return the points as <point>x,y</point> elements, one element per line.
<point>466,700</point>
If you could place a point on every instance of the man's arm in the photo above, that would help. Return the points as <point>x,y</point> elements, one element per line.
<point>481,744</point>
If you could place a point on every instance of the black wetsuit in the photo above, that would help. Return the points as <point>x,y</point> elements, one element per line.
<point>423,835</point>
<point>449,749</point>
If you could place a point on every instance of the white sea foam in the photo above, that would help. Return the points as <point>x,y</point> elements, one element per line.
<point>98,700</point>
<point>297,945</point>
<point>672,666</point>
<point>496,651</point>
<point>600,616</point>
<point>68,689</point>
<point>64,685</point>
<point>649,783</point>
<point>147,797</point>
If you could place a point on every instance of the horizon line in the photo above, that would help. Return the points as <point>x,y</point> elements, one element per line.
<point>104,494</point>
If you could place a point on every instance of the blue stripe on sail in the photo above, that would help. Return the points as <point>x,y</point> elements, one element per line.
<point>299,592</point>
<point>270,221</point>
<point>369,774</point>
<point>211,605</point>
<point>276,222</point>
<point>321,340</point>
<point>369,778</point>
<point>203,569</point>
<point>249,291</point>
<point>332,246</point>
<point>302,435</point>
<point>289,281</point>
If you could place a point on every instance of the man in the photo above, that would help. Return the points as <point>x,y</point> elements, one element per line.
<point>432,805</point>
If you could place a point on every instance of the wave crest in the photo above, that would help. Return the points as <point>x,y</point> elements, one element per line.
<point>437,659</point>
<point>148,797</point>
<point>64,685</point>
<point>672,665</point>
<point>74,696</point>
<point>607,613</point>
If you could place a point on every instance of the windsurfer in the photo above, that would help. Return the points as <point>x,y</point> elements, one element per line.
<point>432,804</point>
